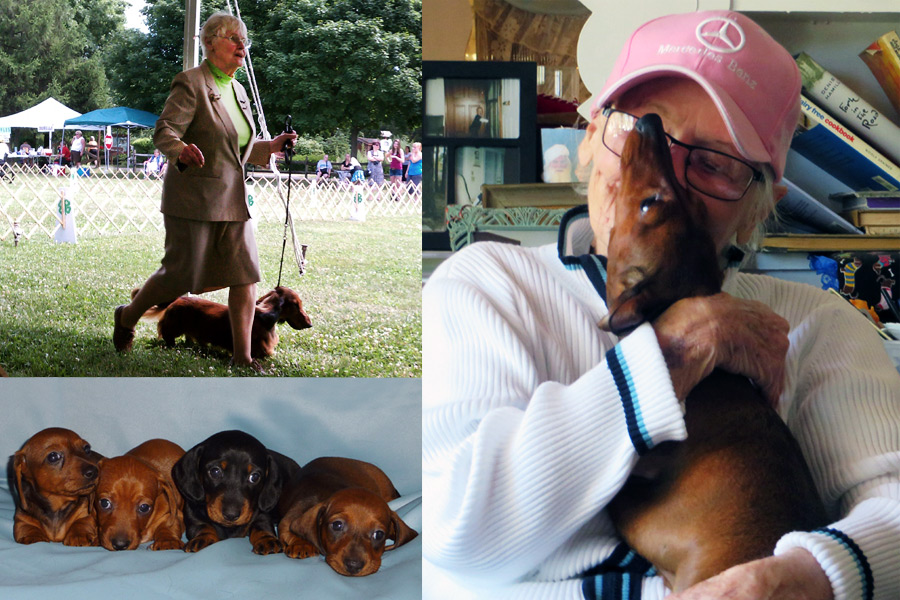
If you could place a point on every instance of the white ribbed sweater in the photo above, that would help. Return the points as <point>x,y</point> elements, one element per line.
<point>525,439</point>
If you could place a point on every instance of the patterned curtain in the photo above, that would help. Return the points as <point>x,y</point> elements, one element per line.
<point>506,33</point>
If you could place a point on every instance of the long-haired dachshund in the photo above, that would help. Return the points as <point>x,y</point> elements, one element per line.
<point>53,478</point>
<point>206,322</point>
<point>739,481</point>
<point>338,507</point>
<point>231,486</point>
<point>136,499</point>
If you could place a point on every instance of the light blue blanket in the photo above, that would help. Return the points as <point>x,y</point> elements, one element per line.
<point>376,420</point>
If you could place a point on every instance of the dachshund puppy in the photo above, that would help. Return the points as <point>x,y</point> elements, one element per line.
<point>726,494</point>
<point>53,478</point>
<point>136,499</point>
<point>231,486</point>
<point>338,507</point>
<point>206,322</point>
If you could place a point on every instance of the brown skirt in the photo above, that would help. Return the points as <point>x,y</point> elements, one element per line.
<point>202,256</point>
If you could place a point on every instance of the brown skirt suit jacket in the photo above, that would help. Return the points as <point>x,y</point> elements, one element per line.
<point>209,241</point>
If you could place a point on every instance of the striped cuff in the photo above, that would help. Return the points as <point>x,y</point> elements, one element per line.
<point>652,412</point>
<point>840,557</point>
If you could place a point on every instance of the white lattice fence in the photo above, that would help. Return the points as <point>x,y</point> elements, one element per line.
<point>117,201</point>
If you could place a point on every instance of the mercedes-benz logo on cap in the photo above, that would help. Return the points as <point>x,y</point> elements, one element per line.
<point>721,34</point>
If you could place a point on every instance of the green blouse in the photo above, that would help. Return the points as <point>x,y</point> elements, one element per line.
<point>238,119</point>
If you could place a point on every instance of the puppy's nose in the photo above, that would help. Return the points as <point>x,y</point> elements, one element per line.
<point>89,471</point>
<point>353,565</point>
<point>119,543</point>
<point>231,514</point>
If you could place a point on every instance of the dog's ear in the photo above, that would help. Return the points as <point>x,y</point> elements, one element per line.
<point>186,474</point>
<point>400,532</point>
<point>271,491</point>
<point>166,509</point>
<point>15,476</point>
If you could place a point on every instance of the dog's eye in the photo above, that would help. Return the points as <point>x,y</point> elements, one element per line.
<point>337,525</point>
<point>215,472</point>
<point>54,457</point>
<point>144,508</point>
<point>254,477</point>
<point>87,448</point>
<point>646,203</point>
<point>105,503</point>
<point>378,535</point>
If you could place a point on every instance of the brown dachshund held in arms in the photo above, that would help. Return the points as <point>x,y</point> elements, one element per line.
<point>207,322</point>
<point>136,499</point>
<point>338,507</point>
<point>739,481</point>
<point>53,477</point>
<point>231,486</point>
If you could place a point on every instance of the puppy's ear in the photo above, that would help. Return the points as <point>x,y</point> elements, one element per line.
<point>271,491</point>
<point>186,474</point>
<point>167,508</point>
<point>15,473</point>
<point>400,532</point>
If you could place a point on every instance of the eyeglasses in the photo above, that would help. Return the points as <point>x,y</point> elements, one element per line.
<point>237,40</point>
<point>716,174</point>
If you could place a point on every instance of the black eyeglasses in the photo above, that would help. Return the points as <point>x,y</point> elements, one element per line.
<point>716,174</point>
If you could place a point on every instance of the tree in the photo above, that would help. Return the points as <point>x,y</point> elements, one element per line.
<point>52,48</point>
<point>343,64</point>
<point>140,65</point>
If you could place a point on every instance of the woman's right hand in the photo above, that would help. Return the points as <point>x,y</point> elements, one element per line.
<point>746,337</point>
<point>191,156</point>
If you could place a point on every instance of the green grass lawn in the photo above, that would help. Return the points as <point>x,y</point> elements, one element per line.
<point>361,290</point>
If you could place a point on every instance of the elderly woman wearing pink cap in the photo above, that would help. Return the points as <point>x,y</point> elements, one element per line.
<point>525,438</point>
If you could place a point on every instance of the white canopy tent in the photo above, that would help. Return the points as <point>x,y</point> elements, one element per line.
<point>45,116</point>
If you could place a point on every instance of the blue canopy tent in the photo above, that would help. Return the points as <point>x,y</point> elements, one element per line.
<point>118,116</point>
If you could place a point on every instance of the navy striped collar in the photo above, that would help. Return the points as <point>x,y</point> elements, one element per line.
<point>574,247</point>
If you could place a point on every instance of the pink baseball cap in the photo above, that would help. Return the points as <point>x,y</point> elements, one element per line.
<point>750,77</point>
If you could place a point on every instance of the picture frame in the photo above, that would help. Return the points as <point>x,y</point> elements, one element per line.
<point>479,127</point>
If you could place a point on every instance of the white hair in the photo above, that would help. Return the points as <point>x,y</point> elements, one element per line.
<point>217,24</point>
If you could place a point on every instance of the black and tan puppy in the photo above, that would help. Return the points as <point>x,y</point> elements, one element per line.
<point>231,485</point>
<point>207,322</point>
<point>53,478</point>
<point>338,507</point>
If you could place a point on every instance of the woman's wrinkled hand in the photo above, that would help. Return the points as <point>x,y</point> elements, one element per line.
<point>794,574</point>
<point>746,337</point>
<point>191,156</point>
<point>279,140</point>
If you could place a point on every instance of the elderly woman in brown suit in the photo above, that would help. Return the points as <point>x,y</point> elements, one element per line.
<point>206,131</point>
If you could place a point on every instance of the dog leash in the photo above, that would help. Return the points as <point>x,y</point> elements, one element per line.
<point>288,156</point>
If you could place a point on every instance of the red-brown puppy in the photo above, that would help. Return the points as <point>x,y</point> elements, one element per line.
<point>137,501</point>
<point>206,322</point>
<point>54,476</point>
<point>338,507</point>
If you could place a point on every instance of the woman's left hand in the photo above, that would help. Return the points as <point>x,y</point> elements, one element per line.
<point>794,574</point>
<point>280,139</point>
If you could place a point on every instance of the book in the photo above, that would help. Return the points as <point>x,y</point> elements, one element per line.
<point>866,200</point>
<point>822,186</point>
<point>800,211</point>
<point>832,243</point>
<point>850,109</point>
<point>882,230</point>
<point>875,218</point>
<point>840,152</point>
<point>883,58</point>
